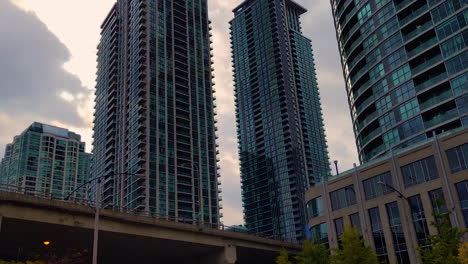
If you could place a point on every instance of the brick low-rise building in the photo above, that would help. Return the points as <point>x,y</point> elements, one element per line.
<point>391,200</point>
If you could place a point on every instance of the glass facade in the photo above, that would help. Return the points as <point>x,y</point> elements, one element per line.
<point>154,127</point>
<point>280,130</point>
<point>315,208</point>
<point>458,158</point>
<point>398,235</point>
<point>462,189</point>
<point>378,235</point>
<point>378,185</point>
<point>405,65</point>
<point>319,233</point>
<point>46,161</point>
<point>355,221</point>
<point>420,171</point>
<point>419,220</point>
<point>343,197</point>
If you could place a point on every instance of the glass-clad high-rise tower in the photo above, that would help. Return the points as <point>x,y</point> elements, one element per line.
<point>154,127</point>
<point>46,161</point>
<point>405,65</point>
<point>281,136</point>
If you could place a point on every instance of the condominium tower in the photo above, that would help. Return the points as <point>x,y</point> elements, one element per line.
<point>405,64</point>
<point>281,137</point>
<point>154,126</point>
<point>46,161</point>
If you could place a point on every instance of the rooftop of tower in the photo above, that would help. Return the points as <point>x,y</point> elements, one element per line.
<point>53,130</point>
<point>291,3</point>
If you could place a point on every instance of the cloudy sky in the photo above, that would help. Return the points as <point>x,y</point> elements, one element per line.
<point>48,66</point>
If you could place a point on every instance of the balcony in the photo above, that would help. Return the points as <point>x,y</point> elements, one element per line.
<point>442,116</point>
<point>431,81</point>
<point>426,64</point>
<point>366,121</point>
<point>370,136</point>
<point>402,4</point>
<point>419,29</point>
<point>364,104</point>
<point>436,97</point>
<point>422,47</point>
<point>414,14</point>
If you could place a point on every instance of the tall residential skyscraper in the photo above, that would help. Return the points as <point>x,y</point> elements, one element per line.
<point>46,161</point>
<point>405,65</point>
<point>281,136</point>
<point>154,127</point>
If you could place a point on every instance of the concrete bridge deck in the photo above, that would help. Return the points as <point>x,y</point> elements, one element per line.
<point>27,221</point>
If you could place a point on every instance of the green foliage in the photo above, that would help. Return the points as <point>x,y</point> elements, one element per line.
<point>463,253</point>
<point>445,245</point>
<point>310,254</point>
<point>313,254</point>
<point>353,250</point>
<point>283,258</point>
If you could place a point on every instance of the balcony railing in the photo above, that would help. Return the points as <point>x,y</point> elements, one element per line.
<point>402,4</point>
<point>436,99</point>
<point>371,135</point>
<point>414,14</point>
<point>426,64</point>
<point>366,121</point>
<point>422,47</point>
<point>431,82</point>
<point>441,118</point>
<point>418,30</point>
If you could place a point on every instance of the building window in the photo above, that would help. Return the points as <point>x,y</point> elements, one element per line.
<point>420,171</point>
<point>339,228</point>
<point>454,44</point>
<point>460,84</point>
<point>355,221</point>
<point>378,235</point>
<point>409,109</point>
<point>401,74</point>
<point>419,220</point>
<point>373,187</point>
<point>458,63</point>
<point>451,26</point>
<point>462,104</point>
<point>343,197</point>
<point>315,208</point>
<point>319,233</point>
<point>462,189</point>
<point>458,158</point>
<point>438,203</point>
<point>398,235</point>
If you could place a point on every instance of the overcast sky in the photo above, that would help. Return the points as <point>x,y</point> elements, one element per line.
<point>48,67</point>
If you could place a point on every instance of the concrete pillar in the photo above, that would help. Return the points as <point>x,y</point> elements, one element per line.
<point>228,255</point>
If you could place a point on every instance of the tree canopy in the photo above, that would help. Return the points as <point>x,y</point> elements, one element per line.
<point>353,250</point>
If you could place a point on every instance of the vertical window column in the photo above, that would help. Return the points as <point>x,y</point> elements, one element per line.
<point>419,220</point>
<point>398,233</point>
<point>378,235</point>
<point>462,189</point>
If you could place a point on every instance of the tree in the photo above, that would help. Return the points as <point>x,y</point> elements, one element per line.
<point>463,253</point>
<point>313,254</point>
<point>283,258</point>
<point>445,245</point>
<point>353,250</point>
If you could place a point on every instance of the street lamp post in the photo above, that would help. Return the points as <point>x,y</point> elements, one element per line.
<point>97,208</point>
